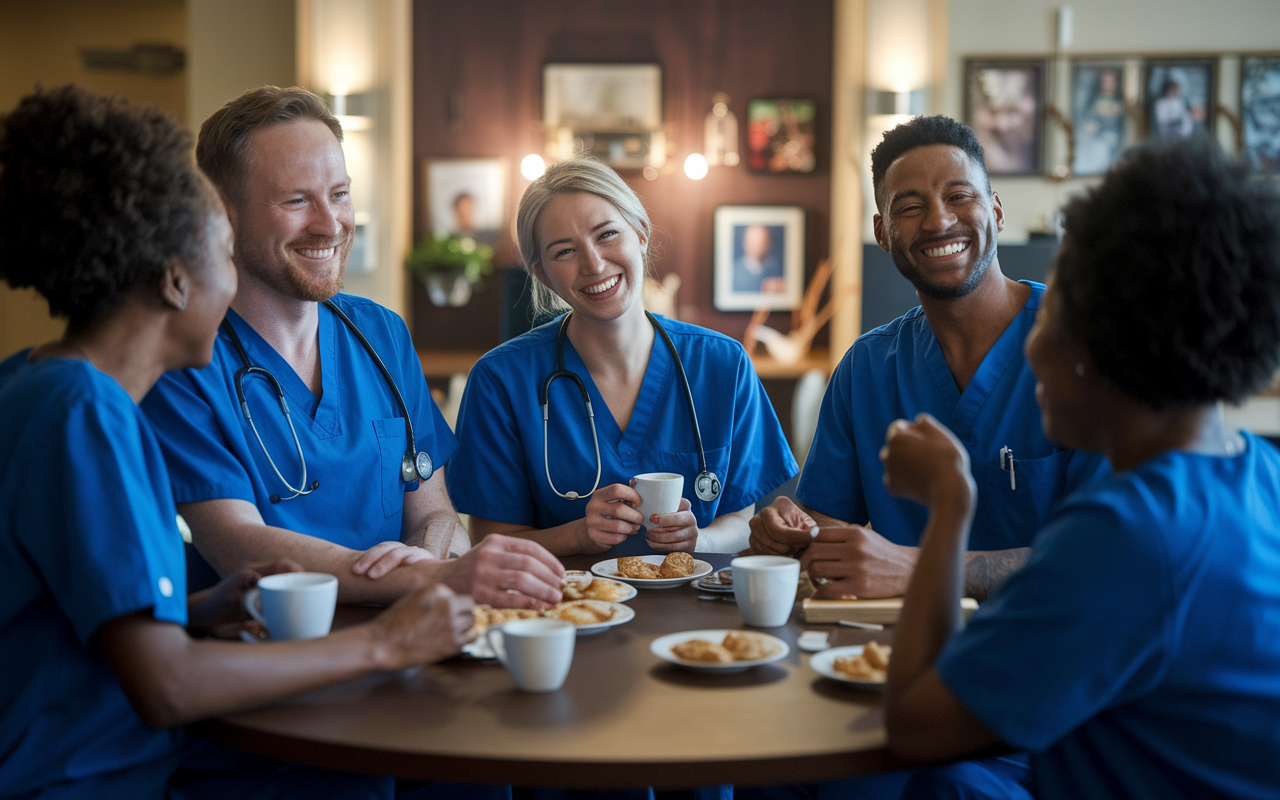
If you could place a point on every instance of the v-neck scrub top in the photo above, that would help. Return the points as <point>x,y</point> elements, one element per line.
<point>897,371</point>
<point>498,473</point>
<point>352,436</point>
<point>88,534</point>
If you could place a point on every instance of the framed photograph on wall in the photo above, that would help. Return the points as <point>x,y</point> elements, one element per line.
<point>1097,114</point>
<point>780,135</point>
<point>1260,112</point>
<point>1004,104</point>
<point>465,197</point>
<point>1180,96</point>
<point>594,98</point>
<point>759,257</point>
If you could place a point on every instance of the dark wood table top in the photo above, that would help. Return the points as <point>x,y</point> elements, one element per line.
<point>624,717</point>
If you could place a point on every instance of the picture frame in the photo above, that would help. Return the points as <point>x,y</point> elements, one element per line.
<point>781,135</point>
<point>1181,95</point>
<point>602,98</point>
<point>759,257</point>
<point>465,197</point>
<point>1260,112</point>
<point>1004,104</point>
<point>1099,115</point>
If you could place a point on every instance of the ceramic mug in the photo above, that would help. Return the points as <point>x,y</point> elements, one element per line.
<point>765,588</point>
<point>294,605</point>
<point>659,492</point>
<point>537,652</point>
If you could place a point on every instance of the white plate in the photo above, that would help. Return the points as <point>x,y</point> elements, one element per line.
<point>824,664</point>
<point>621,614</point>
<point>661,647</point>
<point>719,588</point>
<point>583,577</point>
<point>609,569</point>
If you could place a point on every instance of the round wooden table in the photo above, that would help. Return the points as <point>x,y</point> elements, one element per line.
<point>624,718</point>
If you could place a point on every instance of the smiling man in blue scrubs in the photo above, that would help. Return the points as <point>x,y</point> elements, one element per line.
<point>958,356</point>
<point>332,483</point>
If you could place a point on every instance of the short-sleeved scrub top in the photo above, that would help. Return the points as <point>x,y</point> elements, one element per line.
<point>498,473</point>
<point>88,534</point>
<point>897,371</point>
<point>352,435</point>
<point>1137,654</point>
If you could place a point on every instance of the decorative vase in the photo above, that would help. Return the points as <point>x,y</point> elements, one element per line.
<point>447,289</point>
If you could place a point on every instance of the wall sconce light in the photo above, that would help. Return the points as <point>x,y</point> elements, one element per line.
<point>720,135</point>
<point>900,102</point>
<point>695,166</point>
<point>354,111</point>
<point>532,167</point>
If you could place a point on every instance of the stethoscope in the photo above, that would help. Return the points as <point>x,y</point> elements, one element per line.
<point>413,466</point>
<point>707,486</point>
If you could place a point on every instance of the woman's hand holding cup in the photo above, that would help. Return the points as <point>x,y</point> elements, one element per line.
<point>611,518</point>
<point>672,533</point>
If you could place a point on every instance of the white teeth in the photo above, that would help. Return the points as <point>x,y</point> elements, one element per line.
<point>945,250</point>
<point>325,253</point>
<point>601,287</point>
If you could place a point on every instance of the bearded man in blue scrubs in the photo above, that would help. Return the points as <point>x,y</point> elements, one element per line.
<point>323,483</point>
<point>957,356</point>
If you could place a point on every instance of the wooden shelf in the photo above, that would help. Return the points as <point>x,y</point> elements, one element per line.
<point>768,367</point>
<point>443,363</point>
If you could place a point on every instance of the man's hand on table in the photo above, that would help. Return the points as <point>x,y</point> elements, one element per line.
<point>426,625</point>
<point>781,529</point>
<point>858,562</point>
<point>506,572</point>
<point>383,557</point>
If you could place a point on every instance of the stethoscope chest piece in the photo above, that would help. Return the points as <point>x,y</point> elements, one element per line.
<point>421,469</point>
<point>707,486</point>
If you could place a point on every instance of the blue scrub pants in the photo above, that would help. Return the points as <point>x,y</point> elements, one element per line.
<point>995,778</point>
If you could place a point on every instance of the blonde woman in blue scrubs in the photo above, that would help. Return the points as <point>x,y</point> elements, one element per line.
<point>584,237</point>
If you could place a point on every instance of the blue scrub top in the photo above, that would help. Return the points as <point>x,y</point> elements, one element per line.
<point>499,473</point>
<point>1137,654</point>
<point>88,534</point>
<point>897,371</point>
<point>353,436</point>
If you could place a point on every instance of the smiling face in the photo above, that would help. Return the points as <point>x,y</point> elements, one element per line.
<point>1069,402</point>
<point>939,220</point>
<point>214,284</point>
<point>293,221</point>
<point>590,256</point>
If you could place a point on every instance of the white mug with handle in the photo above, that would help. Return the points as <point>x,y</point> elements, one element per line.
<point>537,652</point>
<point>294,605</point>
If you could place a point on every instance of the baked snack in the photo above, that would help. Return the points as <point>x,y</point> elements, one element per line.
<point>870,666</point>
<point>677,565</point>
<point>702,650</point>
<point>486,616</point>
<point>637,568</point>
<point>583,612</point>
<point>748,646</point>
<point>596,589</point>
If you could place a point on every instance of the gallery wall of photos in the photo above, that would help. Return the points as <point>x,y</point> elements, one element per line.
<point>1113,102</point>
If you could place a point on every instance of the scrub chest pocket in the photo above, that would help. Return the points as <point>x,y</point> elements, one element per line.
<point>1021,502</point>
<point>391,447</point>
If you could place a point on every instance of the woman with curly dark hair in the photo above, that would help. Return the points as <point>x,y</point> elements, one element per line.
<point>104,213</point>
<point>1153,672</point>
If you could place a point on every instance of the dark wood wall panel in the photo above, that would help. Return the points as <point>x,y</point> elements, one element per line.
<point>477,93</point>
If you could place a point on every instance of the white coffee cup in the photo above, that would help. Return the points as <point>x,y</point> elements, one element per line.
<point>659,493</point>
<point>537,652</point>
<point>294,605</point>
<point>765,588</point>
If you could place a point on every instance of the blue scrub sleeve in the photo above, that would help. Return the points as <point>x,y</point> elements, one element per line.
<point>831,482</point>
<point>487,477</point>
<point>105,545</point>
<point>761,459</point>
<point>1082,627</point>
<point>202,463</point>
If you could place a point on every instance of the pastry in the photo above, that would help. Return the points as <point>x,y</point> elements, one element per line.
<point>702,650</point>
<point>677,565</point>
<point>748,646</point>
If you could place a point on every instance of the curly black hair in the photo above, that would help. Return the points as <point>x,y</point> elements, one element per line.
<point>922,132</point>
<point>97,196</point>
<point>1169,275</point>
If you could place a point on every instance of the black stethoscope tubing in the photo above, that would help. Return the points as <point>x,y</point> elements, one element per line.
<point>413,466</point>
<point>707,486</point>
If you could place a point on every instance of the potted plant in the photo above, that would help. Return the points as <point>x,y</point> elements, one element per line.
<point>449,266</point>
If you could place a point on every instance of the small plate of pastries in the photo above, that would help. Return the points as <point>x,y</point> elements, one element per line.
<point>590,617</point>
<point>719,650</point>
<point>861,665</point>
<point>653,572</point>
<point>721,581</point>
<point>578,584</point>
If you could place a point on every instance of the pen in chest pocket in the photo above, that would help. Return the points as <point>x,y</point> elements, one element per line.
<point>1007,452</point>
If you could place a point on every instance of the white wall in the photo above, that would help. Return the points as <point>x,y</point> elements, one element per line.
<point>1101,27</point>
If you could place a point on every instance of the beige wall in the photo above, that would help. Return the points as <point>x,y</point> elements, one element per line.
<point>237,45</point>
<point>40,43</point>
<point>1127,27</point>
